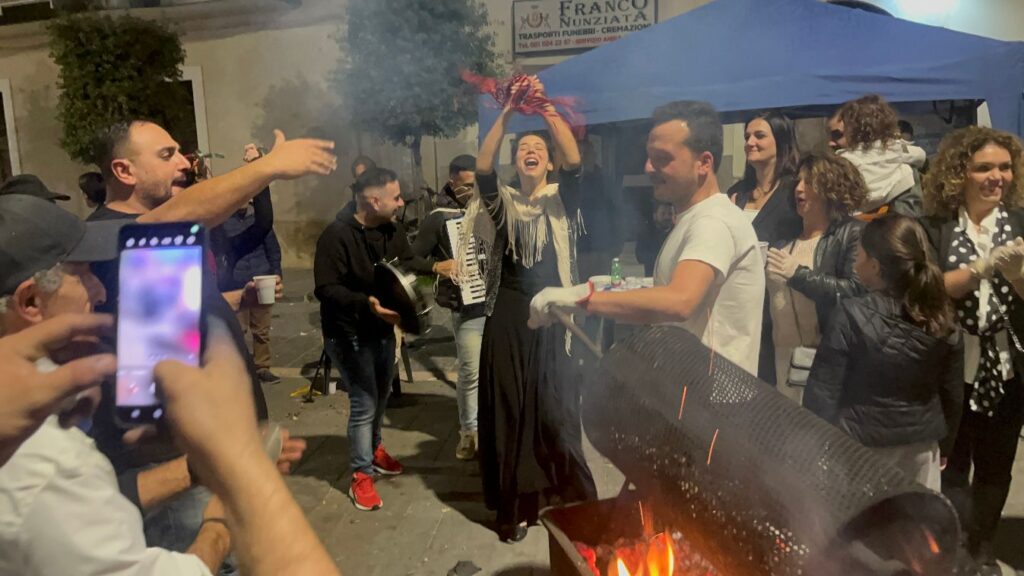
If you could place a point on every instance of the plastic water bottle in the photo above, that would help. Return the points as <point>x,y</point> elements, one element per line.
<point>616,273</point>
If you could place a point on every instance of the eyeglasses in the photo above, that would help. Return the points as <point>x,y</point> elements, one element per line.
<point>836,135</point>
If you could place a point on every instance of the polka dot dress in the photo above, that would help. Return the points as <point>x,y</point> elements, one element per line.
<point>988,384</point>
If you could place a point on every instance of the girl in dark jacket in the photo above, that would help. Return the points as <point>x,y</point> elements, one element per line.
<point>973,193</point>
<point>889,366</point>
<point>812,269</point>
<point>765,194</point>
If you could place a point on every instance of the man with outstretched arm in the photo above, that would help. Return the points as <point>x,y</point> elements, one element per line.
<point>709,277</point>
<point>147,182</point>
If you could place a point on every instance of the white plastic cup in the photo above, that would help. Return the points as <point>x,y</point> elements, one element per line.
<point>764,251</point>
<point>265,288</point>
<point>332,387</point>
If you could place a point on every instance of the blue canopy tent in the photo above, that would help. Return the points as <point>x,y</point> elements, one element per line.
<point>753,54</point>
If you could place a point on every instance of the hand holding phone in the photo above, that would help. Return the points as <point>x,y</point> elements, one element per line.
<point>159,311</point>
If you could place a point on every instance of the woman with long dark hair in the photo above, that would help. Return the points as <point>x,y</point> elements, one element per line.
<point>766,196</point>
<point>531,442</point>
<point>973,193</point>
<point>809,272</point>
<point>766,191</point>
<point>889,366</point>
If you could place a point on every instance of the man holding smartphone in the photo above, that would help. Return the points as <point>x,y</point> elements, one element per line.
<point>62,512</point>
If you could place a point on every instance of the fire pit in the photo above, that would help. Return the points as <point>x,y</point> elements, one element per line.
<point>612,537</point>
<point>755,484</point>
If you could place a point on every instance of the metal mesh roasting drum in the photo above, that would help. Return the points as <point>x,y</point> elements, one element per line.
<point>758,484</point>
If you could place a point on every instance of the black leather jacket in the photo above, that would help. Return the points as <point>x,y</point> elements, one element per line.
<point>832,278</point>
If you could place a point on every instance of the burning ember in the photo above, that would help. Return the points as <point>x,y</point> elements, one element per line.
<point>660,555</point>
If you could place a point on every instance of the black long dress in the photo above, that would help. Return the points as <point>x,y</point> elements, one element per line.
<point>530,440</point>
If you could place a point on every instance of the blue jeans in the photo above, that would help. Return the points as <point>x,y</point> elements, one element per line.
<point>175,524</point>
<point>367,365</point>
<point>468,336</point>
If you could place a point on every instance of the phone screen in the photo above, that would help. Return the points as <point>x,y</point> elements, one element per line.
<point>159,310</point>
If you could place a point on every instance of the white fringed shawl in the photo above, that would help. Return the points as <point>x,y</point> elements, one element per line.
<point>526,227</point>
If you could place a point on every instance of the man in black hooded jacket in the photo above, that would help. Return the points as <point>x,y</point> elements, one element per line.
<point>358,332</point>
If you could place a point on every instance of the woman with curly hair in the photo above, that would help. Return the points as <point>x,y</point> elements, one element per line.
<point>973,194</point>
<point>866,132</point>
<point>810,272</point>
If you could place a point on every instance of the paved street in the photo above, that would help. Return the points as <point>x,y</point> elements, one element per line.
<point>433,515</point>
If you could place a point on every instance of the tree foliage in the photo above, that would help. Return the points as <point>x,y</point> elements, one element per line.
<point>115,69</point>
<point>400,76</point>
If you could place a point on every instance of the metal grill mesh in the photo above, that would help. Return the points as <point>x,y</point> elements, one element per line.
<point>760,485</point>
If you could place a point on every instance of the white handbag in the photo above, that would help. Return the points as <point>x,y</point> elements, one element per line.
<point>800,365</point>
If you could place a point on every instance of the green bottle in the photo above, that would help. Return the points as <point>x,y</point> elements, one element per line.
<point>616,273</point>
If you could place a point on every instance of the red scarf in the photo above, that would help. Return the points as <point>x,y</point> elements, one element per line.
<point>519,94</point>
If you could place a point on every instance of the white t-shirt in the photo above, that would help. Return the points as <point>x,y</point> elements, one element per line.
<point>716,232</point>
<point>61,513</point>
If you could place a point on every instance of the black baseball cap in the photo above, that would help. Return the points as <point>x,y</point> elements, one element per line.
<point>31,185</point>
<point>36,235</point>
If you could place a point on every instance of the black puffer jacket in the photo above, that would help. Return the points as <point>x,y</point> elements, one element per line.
<point>832,278</point>
<point>884,381</point>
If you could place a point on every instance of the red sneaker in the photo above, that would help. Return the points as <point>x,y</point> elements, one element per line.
<point>384,464</point>
<point>363,494</point>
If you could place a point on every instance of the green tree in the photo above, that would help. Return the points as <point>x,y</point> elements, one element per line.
<point>115,69</point>
<point>399,78</point>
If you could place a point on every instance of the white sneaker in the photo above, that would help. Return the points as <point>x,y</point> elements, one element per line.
<point>466,450</point>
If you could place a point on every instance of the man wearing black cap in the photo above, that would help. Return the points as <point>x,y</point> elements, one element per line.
<point>45,253</point>
<point>31,185</point>
<point>61,508</point>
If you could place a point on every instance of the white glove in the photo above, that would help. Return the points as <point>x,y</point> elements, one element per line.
<point>1001,258</point>
<point>1010,259</point>
<point>571,299</point>
<point>781,265</point>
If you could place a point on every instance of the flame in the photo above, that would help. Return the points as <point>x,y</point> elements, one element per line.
<point>660,559</point>
<point>651,555</point>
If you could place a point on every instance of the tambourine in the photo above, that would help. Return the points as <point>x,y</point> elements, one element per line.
<point>396,289</point>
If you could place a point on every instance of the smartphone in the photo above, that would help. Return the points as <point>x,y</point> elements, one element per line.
<point>159,310</point>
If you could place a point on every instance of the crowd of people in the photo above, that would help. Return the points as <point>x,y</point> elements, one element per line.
<point>82,495</point>
<point>886,303</point>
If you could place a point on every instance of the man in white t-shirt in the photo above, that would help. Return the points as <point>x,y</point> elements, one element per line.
<point>709,276</point>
